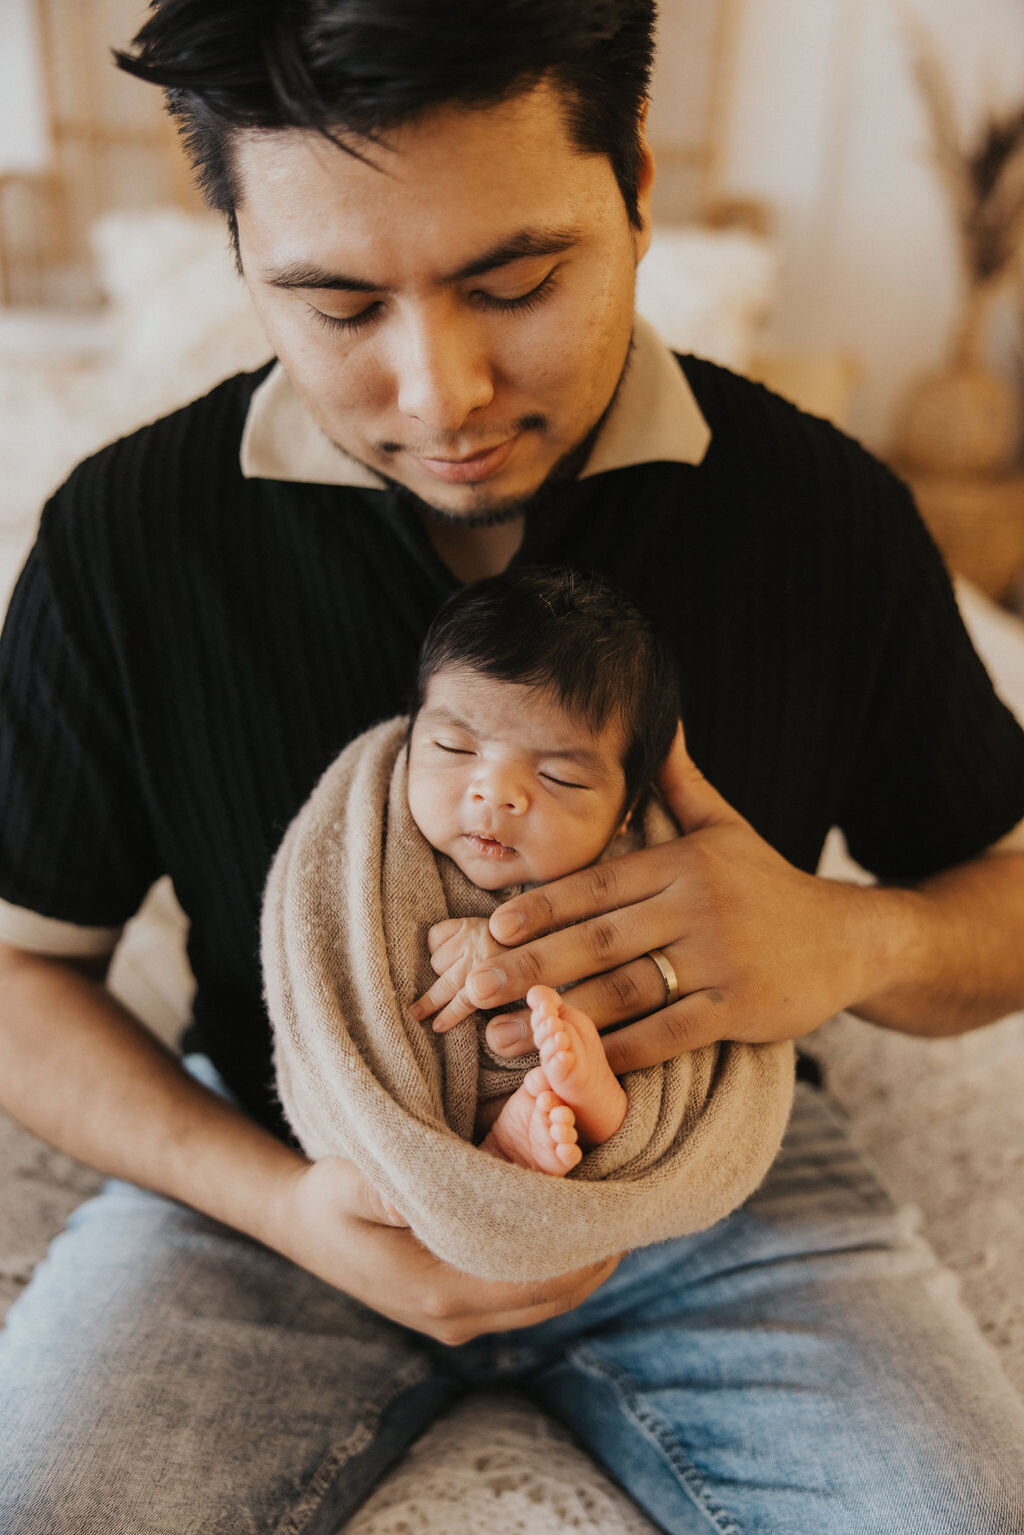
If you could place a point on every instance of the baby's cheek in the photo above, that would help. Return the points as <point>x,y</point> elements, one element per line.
<point>428,808</point>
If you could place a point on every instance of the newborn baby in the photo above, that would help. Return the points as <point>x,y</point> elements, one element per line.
<point>545,705</point>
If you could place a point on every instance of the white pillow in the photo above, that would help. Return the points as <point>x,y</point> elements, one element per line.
<point>708,291</point>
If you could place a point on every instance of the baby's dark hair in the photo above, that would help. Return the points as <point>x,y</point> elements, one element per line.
<point>572,635</point>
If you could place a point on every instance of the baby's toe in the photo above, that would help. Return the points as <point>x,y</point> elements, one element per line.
<point>535,1081</point>
<point>553,1044</point>
<point>541,1029</point>
<point>544,999</point>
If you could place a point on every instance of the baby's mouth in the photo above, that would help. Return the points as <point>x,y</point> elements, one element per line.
<point>490,847</point>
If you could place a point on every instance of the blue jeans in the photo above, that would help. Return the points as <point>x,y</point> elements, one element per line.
<point>803,1368</point>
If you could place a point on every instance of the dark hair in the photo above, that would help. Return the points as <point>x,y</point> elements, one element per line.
<point>574,636</point>
<point>357,68</point>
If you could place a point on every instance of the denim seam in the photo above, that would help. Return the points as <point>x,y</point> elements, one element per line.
<point>362,1435</point>
<point>657,1431</point>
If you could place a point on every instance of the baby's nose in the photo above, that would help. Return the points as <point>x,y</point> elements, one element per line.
<point>501,792</point>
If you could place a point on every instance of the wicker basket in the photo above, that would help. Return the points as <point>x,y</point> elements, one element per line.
<point>978,523</point>
<point>961,420</point>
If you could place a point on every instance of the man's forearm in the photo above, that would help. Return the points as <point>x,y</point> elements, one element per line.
<point>948,956</point>
<point>84,1075</point>
<point>81,1073</point>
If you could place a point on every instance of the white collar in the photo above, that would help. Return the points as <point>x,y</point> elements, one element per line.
<point>654,418</point>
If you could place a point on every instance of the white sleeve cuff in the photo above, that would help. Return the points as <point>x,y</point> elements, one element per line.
<point>36,934</point>
<point>1013,842</point>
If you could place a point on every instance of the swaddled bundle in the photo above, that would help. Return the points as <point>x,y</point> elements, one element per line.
<point>352,893</point>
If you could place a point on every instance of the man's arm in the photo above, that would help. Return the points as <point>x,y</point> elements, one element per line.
<point>762,950</point>
<point>79,1071</point>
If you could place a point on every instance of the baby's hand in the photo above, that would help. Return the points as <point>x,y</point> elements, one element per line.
<point>456,947</point>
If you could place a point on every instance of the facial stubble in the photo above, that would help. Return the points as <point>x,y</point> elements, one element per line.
<point>498,513</point>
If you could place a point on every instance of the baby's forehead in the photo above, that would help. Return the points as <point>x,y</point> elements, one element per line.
<point>535,717</point>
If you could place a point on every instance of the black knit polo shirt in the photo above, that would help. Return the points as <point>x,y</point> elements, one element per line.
<point>187,650</point>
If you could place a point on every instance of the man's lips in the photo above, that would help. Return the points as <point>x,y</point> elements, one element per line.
<point>478,466</point>
<point>489,846</point>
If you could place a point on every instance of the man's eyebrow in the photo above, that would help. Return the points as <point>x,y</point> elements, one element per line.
<point>301,274</point>
<point>518,247</point>
<point>528,242</point>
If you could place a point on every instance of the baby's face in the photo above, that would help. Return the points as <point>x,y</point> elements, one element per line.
<point>505,783</point>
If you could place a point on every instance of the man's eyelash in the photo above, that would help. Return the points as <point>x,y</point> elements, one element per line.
<point>456,751</point>
<point>521,305</point>
<point>339,322</point>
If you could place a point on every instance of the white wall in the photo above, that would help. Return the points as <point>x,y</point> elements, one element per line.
<point>23,137</point>
<point>826,126</point>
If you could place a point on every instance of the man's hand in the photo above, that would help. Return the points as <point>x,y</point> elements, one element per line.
<point>762,951</point>
<point>100,1087</point>
<point>457,946</point>
<point>331,1221</point>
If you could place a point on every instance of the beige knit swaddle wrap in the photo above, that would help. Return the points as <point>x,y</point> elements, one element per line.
<point>351,895</point>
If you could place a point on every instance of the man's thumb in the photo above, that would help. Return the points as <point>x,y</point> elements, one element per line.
<point>692,800</point>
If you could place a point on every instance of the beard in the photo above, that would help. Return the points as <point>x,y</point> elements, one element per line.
<point>497,513</point>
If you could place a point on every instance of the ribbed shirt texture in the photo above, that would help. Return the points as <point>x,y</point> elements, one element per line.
<point>187,650</point>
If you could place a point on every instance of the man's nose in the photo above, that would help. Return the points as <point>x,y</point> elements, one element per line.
<point>443,369</point>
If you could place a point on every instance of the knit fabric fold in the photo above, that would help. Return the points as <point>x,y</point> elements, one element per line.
<point>352,892</point>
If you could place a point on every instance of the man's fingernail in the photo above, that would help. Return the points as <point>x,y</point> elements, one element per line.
<point>510,1031</point>
<point>485,983</point>
<point>508,923</point>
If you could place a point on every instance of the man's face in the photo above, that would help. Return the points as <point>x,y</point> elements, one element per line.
<point>509,785</point>
<point>457,314</point>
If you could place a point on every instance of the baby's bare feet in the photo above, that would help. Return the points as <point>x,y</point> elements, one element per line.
<point>572,1088</point>
<point>575,1066</point>
<point>536,1129</point>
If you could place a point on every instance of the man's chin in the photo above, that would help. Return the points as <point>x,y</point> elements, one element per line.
<point>488,507</point>
<point>489,513</point>
<point>485,506</point>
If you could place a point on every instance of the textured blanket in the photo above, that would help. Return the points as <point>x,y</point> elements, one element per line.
<point>351,894</point>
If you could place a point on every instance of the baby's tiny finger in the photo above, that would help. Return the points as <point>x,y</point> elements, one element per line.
<point>458,1009</point>
<point>442,931</point>
<point>446,956</point>
<point>439,995</point>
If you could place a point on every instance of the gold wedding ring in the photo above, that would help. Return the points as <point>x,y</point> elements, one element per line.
<point>667,973</point>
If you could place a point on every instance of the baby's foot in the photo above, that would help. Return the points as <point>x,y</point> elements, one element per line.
<point>536,1129</point>
<point>575,1066</point>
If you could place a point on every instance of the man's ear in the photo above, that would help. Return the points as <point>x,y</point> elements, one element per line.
<point>644,186</point>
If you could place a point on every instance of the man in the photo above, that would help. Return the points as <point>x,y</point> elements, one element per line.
<point>439,213</point>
